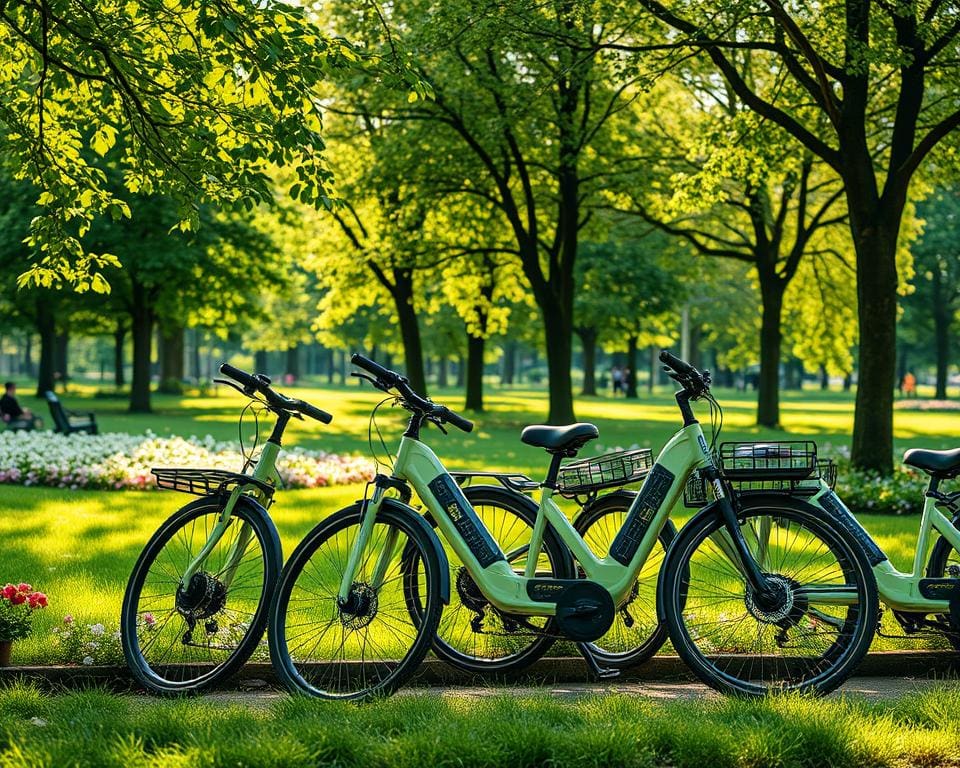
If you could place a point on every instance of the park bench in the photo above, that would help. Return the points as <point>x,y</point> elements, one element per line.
<point>67,422</point>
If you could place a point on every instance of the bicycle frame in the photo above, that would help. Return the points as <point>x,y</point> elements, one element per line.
<point>616,571</point>
<point>901,591</point>
<point>265,470</point>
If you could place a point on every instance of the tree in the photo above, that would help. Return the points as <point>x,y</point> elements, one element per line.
<point>873,91</point>
<point>732,186</point>
<point>199,99</point>
<point>525,92</point>
<point>175,278</point>
<point>622,285</point>
<point>934,306</point>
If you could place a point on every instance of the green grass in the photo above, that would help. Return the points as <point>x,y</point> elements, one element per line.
<point>80,546</point>
<point>495,444</point>
<point>98,729</point>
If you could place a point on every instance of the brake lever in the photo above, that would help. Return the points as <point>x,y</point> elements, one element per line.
<point>436,422</point>
<point>233,384</point>
<point>366,378</point>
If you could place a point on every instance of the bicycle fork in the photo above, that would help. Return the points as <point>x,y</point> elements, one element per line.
<point>368,516</point>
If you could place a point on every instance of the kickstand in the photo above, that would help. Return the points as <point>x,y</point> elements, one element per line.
<point>600,673</point>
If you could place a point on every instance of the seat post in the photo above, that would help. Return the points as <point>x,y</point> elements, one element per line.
<point>556,458</point>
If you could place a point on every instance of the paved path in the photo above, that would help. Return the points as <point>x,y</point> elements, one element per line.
<point>870,688</point>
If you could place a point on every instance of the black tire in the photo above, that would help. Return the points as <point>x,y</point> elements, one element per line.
<point>504,646</point>
<point>722,649</point>
<point>945,562</point>
<point>308,593</point>
<point>153,601</point>
<point>637,632</point>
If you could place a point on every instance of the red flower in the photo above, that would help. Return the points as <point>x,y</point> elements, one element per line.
<point>37,600</point>
<point>24,588</point>
<point>18,599</point>
<point>9,591</point>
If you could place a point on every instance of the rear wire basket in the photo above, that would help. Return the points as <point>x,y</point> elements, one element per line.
<point>609,471</point>
<point>789,467</point>
<point>205,482</point>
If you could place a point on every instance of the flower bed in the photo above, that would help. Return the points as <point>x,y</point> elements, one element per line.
<point>121,461</point>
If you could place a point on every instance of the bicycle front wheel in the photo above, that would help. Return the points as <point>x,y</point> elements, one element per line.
<point>808,635</point>
<point>369,644</point>
<point>179,637</point>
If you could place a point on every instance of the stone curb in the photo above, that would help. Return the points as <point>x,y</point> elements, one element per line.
<point>433,672</point>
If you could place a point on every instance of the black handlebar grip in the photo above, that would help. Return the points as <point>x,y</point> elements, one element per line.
<point>371,367</point>
<point>314,413</point>
<point>248,381</point>
<point>674,362</point>
<point>457,420</point>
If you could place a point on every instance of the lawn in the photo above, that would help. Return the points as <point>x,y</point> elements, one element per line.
<point>98,729</point>
<point>79,546</point>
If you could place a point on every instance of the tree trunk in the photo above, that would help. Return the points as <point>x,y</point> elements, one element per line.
<point>171,358</point>
<point>197,373</point>
<point>46,327</point>
<point>654,370</point>
<point>442,369</point>
<point>768,384</point>
<point>260,362</point>
<point>461,371</point>
<point>824,378</point>
<point>558,333</point>
<point>509,362</point>
<point>293,362</point>
<point>62,358</point>
<point>942,318</point>
<point>330,367</point>
<point>141,328</point>
<point>119,336</point>
<point>631,372</point>
<point>409,329</point>
<point>475,349</point>
<point>588,339</point>
<point>876,246</point>
<point>28,369</point>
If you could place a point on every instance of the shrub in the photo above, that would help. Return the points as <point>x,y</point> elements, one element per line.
<point>18,603</point>
<point>122,461</point>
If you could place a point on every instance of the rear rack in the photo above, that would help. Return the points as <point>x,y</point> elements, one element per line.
<point>205,482</point>
<point>514,481</point>
<point>609,471</point>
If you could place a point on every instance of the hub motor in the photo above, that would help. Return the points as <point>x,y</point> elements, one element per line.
<point>203,597</point>
<point>781,606</point>
<point>358,610</point>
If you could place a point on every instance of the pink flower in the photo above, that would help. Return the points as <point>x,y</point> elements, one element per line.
<point>149,619</point>
<point>68,619</point>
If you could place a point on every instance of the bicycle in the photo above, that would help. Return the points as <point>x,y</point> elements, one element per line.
<point>345,589</point>
<point>464,638</point>
<point>195,606</point>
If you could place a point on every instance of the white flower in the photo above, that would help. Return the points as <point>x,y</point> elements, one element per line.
<point>97,629</point>
<point>93,646</point>
<point>88,660</point>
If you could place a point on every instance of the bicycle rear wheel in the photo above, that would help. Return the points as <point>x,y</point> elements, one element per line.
<point>369,645</point>
<point>180,637</point>
<point>809,638</point>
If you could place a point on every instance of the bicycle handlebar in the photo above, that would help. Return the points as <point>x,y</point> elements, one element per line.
<point>691,379</point>
<point>259,383</point>
<point>387,379</point>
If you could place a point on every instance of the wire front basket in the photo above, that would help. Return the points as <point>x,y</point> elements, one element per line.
<point>205,482</point>
<point>781,460</point>
<point>610,471</point>
<point>778,477</point>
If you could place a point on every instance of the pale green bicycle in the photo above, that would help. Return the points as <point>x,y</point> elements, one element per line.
<point>360,599</point>
<point>195,607</point>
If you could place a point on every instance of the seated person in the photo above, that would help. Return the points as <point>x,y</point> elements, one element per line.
<point>13,415</point>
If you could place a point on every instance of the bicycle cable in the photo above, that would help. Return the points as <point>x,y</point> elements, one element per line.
<point>250,459</point>
<point>371,425</point>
